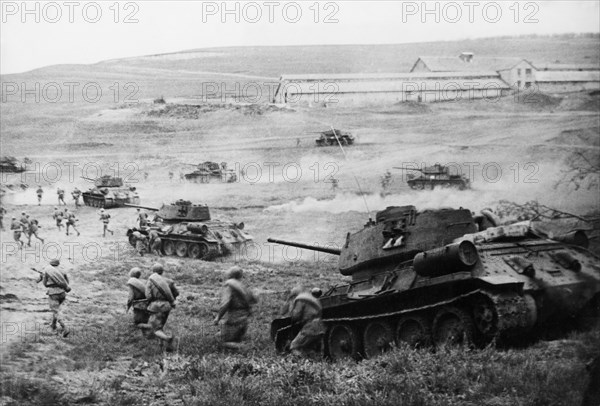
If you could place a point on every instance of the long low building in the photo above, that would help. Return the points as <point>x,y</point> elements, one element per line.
<point>332,89</point>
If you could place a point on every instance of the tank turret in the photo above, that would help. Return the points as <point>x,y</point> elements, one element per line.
<point>446,277</point>
<point>178,211</point>
<point>396,235</point>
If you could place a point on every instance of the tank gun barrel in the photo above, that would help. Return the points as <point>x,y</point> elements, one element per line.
<point>141,207</point>
<point>333,251</point>
<point>86,178</point>
<point>407,169</point>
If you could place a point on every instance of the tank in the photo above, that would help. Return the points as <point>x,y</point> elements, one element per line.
<point>187,230</point>
<point>109,192</point>
<point>447,277</point>
<point>211,171</point>
<point>435,176</point>
<point>329,138</point>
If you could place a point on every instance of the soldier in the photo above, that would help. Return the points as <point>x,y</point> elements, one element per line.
<point>33,230</point>
<point>141,242</point>
<point>57,282</point>
<point>160,294</point>
<point>40,193</point>
<point>76,195</point>
<point>155,242</point>
<point>24,220</point>
<point>287,305</point>
<point>137,297</point>
<point>58,216</point>
<point>142,219</point>
<point>71,220</point>
<point>61,196</point>
<point>171,174</point>
<point>236,305</point>
<point>17,228</point>
<point>105,218</point>
<point>2,213</point>
<point>181,177</point>
<point>307,311</point>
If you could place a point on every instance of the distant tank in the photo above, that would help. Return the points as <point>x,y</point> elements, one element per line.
<point>331,137</point>
<point>432,277</point>
<point>211,171</point>
<point>435,176</point>
<point>109,192</point>
<point>187,230</point>
<point>10,164</point>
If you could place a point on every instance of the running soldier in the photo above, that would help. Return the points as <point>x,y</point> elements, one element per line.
<point>61,196</point>
<point>71,220</point>
<point>24,220</point>
<point>236,306</point>
<point>76,195</point>
<point>17,228</point>
<point>137,297</point>
<point>57,282</point>
<point>307,311</point>
<point>39,192</point>
<point>142,219</point>
<point>160,294</point>
<point>105,218</point>
<point>155,243</point>
<point>58,216</point>
<point>2,213</point>
<point>33,230</point>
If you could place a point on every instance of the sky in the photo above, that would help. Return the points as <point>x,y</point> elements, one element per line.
<point>35,34</point>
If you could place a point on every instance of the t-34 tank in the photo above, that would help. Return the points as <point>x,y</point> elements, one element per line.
<point>432,277</point>
<point>187,230</point>
<point>109,192</point>
<point>211,171</point>
<point>331,137</point>
<point>435,176</point>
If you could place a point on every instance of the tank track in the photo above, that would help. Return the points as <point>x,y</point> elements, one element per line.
<point>514,313</point>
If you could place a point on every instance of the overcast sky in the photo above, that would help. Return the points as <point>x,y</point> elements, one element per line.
<point>48,33</point>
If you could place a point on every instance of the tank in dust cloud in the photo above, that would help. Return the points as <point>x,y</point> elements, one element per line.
<point>446,277</point>
<point>435,176</point>
<point>187,230</point>
<point>109,192</point>
<point>211,171</point>
<point>331,137</point>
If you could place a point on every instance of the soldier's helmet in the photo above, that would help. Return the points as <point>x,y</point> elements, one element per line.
<point>158,268</point>
<point>55,262</point>
<point>316,292</point>
<point>235,272</point>
<point>102,210</point>
<point>135,272</point>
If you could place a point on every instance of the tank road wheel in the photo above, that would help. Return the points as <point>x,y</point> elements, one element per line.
<point>181,248</point>
<point>485,318</point>
<point>377,338</point>
<point>413,330</point>
<point>419,185</point>
<point>343,342</point>
<point>168,248</point>
<point>452,326</point>
<point>198,251</point>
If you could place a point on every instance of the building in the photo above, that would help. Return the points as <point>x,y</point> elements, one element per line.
<point>517,72</point>
<point>363,89</point>
<point>436,79</point>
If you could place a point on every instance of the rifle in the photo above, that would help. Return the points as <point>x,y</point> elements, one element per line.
<point>35,270</point>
